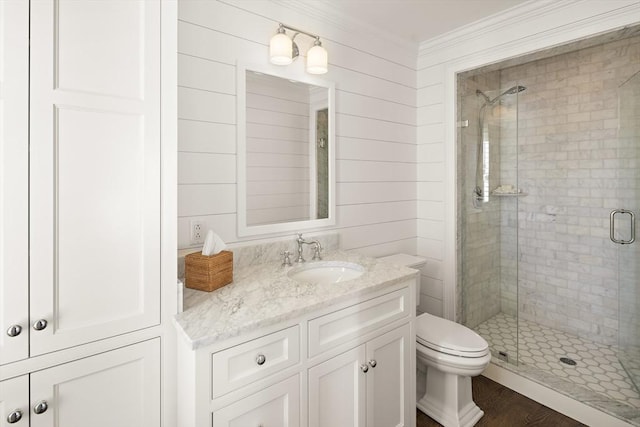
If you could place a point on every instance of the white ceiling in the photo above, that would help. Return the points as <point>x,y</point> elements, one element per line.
<point>417,20</point>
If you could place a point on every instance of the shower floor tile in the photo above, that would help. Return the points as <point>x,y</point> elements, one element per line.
<point>597,367</point>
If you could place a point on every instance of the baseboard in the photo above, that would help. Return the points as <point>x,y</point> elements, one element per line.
<point>552,399</point>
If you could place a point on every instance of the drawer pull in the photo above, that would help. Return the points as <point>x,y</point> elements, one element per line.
<point>373,363</point>
<point>260,359</point>
<point>41,407</point>
<point>14,417</point>
<point>40,324</point>
<point>14,330</point>
<point>364,368</point>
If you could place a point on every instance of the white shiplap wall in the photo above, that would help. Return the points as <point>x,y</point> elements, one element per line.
<point>534,26</point>
<point>375,121</point>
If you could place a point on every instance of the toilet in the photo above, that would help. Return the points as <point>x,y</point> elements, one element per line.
<point>452,354</point>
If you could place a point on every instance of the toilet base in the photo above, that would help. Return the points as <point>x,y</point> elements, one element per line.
<point>448,399</point>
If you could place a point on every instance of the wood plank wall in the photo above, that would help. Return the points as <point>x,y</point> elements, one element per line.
<point>375,122</point>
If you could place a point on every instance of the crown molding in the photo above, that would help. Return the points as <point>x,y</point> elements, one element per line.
<point>522,12</point>
<point>529,11</point>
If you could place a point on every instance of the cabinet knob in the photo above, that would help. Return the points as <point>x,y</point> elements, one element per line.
<point>364,368</point>
<point>40,325</point>
<point>260,359</point>
<point>14,330</point>
<point>41,407</point>
<point>14,417</point>
<point>373,363</point>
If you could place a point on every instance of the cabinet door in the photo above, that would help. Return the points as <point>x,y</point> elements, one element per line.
<point>117,388</point>
<point>278,405</point>
<point>14,402</point>
<point>388,381</point>
<point>94,169</point>
<point>14,180</point>
<point>336,391</point>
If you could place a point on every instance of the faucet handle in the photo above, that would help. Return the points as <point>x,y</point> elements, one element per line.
<point>286,262</point>
<point>316,251</point>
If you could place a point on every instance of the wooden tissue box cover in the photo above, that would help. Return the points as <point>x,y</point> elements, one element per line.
<point>208,273</point>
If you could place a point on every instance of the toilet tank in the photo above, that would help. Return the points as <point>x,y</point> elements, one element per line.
<point>410,261</point>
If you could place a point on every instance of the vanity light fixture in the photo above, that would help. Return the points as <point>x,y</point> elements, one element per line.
<point>283,50</point>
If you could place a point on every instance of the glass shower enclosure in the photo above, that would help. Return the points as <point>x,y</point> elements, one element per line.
<point>546,225</point>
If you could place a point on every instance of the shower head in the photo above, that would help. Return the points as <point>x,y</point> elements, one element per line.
<point>511,91</point>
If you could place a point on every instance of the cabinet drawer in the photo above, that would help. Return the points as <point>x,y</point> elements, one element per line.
<point>241,365</point>
<point>341,326</point>
<point>278,405</point>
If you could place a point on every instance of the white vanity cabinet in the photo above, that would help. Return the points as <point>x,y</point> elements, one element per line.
<point>365,386</point>
<point>349,364</point>
<point>368,385</point>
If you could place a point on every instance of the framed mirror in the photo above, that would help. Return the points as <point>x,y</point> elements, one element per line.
<point>286,151</point>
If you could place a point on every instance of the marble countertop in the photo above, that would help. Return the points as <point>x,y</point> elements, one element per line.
<point>263,295</point>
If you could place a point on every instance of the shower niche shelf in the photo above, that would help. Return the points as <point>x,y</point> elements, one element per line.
<point>520,194</point>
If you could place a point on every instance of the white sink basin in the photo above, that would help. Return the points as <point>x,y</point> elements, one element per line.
<point>326,272</point>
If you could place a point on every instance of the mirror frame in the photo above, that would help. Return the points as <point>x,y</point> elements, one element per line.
<point>289,73</point>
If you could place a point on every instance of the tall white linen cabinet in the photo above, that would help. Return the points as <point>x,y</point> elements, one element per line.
<point>83,328</point>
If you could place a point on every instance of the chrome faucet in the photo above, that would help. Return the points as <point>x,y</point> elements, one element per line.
<point>317,248</point>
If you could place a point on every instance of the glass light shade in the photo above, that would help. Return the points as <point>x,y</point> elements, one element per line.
<point>280,49</point>
<point>317,60</point>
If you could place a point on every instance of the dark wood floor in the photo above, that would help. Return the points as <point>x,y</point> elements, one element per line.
<point>504,407</point>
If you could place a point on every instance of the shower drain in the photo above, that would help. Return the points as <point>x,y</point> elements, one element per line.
<point>568,361</point>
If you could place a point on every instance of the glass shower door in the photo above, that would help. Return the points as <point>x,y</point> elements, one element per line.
<point>623,227</point>
<point>488,210</point>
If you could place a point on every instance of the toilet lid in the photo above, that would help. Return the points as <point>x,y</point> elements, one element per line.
<point>449,337</point>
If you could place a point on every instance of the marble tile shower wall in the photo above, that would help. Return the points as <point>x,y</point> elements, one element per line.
<point>569,164</point>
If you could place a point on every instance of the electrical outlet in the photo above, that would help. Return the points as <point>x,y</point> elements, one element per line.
<point>197,231</point>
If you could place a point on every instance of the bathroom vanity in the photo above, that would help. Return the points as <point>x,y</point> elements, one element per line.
<point>270,350</point>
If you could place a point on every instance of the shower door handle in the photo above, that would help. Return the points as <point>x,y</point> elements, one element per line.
<point>612,226</point>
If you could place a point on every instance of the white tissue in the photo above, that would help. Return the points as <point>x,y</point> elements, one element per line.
<point>213,244</point>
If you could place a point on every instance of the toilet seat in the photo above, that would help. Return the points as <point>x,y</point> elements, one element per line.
<point>448,337</point>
